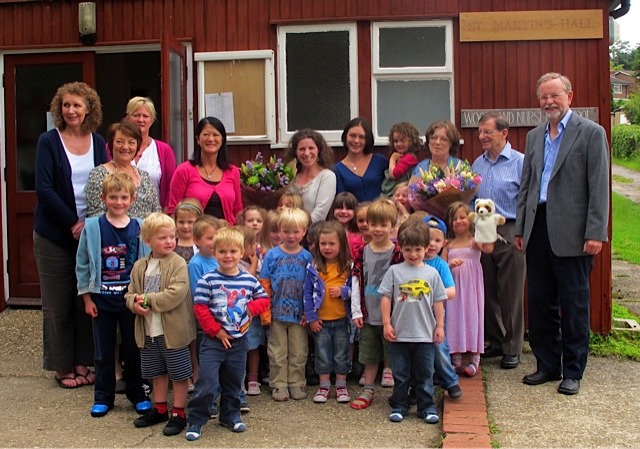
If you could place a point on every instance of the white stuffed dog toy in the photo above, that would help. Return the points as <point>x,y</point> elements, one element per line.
<point>486,221</point>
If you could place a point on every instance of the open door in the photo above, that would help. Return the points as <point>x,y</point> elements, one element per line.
<point>174,100</point>
<point>28,95</point>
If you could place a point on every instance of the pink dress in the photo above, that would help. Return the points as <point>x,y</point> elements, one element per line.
<point>464,319</point>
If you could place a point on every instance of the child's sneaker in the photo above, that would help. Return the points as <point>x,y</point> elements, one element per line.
<point>431,418</point>
<point>175,425</point>
<point>280,394</point>
<point>151,418</point>
<point>193,432</point>
<point>235,427</point>
<point>455,392</point>
<point>321,395</point>
<point>471,370</point>
<point>244,407</point>
<point>297,393</point>
<point>387,378</point>
<point>361,381</point>
<point>396,416</point>
<point>254,388</point>
<point>342,395</point>
<point>100,410</point>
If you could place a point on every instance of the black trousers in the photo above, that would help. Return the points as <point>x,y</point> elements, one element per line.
<point>559,300</point>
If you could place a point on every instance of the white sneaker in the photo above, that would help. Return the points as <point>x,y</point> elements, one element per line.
<point>254,388</point>
<point>387,378</point>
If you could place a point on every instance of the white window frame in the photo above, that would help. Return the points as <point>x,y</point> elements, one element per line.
<point>269,89</point>
<point>408,73</point>
<point>333,137</point>
<point>617,88</point>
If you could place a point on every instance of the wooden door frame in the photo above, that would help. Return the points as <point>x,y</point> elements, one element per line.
<point>87,59</point>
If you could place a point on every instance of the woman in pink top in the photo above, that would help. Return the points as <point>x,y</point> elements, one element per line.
<point>209,176</point>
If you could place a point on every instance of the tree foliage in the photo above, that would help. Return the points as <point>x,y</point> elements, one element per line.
<point>622,54</point>
<point>631,108</point>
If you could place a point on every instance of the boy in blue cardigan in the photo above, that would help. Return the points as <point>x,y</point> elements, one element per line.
<point>109,245</point>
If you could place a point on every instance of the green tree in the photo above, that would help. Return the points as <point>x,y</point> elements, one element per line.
<point>631,108</point>
<point>621,54</point>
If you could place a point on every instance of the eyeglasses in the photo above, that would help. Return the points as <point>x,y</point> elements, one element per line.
<point>486,132</point>
<point>438,138</point>
<point>552,96</point>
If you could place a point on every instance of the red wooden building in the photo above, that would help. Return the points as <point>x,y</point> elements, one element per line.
<point>288,64</point>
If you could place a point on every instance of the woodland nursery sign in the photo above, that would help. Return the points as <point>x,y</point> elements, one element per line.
<point>519,117</point>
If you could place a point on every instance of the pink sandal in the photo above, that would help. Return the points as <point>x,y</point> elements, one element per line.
<point>470,370</point>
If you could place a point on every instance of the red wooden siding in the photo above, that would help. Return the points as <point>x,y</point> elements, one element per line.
<point>487,75</point>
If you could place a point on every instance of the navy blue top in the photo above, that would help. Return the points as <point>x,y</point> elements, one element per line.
<point>367,187</point>
<point>55,212</point>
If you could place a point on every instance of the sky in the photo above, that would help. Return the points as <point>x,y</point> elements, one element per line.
<point>629,24</point>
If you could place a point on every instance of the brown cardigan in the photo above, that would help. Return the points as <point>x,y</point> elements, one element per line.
<point>173,302</point>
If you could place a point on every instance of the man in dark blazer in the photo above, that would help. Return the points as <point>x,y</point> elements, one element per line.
<point>561,221</point>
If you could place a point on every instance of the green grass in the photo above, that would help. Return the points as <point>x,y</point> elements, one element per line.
<point>619,343</point>
<point>622,179</point>
<point>632,164</point>
<point>625,242</point>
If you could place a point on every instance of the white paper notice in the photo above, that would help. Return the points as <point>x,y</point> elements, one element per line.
<point>220,105</point>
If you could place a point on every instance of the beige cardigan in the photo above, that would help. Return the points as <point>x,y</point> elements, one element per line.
<point>173,302</point>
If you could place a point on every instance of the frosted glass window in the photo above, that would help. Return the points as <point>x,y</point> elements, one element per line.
<point>412,47</point>
<point>318,80</point>
<point>420,102</point>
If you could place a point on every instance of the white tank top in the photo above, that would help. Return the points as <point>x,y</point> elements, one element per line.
<point>150,162</point>
<point>80,168</point>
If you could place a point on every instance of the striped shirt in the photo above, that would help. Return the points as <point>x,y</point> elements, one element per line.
<point>227,298</point>
<point>501,179</point>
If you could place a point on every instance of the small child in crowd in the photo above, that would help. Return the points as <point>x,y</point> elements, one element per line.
<point>404,143</point>
<point>326,312</point>
<point>289,200</point>
<point>255,334</point>
<point>412,311</point>
<point>401,200</point>
<point>270,237</point>
<point>185,215</point>
<point>465,314</point>
<point>109,245</point>
<point>226,300</point>
<point>364,235</point>
<point>254,217</point>
<point>165,325</point>
<point>370,265</point>
<point>282,275</point>
<point>444,375</point>
<point>343,210</point>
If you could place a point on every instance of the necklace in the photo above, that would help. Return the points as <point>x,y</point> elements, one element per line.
<point>209,173</point>
<point>355,166</point>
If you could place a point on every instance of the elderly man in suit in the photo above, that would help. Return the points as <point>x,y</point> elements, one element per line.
<point>562,217</point>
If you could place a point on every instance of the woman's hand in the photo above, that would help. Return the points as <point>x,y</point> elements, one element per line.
<point>76,229</point>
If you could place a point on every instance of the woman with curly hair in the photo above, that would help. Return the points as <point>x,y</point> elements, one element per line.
<point>314,180</point>
<point>65,156</point>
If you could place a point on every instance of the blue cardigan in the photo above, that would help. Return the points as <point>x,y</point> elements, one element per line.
<point>56,209</point>
<point>89,256</point>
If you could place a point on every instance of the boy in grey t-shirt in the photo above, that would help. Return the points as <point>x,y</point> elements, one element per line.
<point>415,293</point>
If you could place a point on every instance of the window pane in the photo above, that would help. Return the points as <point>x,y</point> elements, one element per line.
<point>412,47</point>
<point>318,90</point>
<point>420,102</point>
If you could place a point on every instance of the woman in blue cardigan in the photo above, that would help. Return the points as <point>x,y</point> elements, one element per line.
<point>64,159</point>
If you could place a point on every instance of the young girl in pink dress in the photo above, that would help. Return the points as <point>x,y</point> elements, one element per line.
<point>464,318</point>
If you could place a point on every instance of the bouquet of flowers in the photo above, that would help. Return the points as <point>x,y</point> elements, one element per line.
<point>262,183</point>
<point>438,187</point>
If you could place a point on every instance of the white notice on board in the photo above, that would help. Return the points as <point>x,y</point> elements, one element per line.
<point>220,105</point>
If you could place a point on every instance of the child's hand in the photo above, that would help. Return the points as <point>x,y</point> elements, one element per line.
<point>225,338</point>
<point>138,306</point>
<point>315,326</point>
<point>389,333</point>
<point>335,292</point>
<point>358,322</point>
<point>455,263</point>
<point>303,320</point>
<point>438,336</point>
<point>90,308</point>
<point>395,157</point>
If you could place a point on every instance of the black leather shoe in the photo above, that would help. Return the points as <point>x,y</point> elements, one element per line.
<point>569,386</point>
<point>540,377</point>
<point>491,351</point>
<point>510,361</point>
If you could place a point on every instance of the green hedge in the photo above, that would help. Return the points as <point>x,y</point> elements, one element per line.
<point>625,141</point>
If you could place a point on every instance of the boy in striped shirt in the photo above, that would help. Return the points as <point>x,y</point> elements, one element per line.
<point>225,301</point>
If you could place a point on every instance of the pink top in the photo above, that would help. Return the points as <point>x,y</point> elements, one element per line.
<point>188,183</point>
<point>167,167</point>
<point>404,165</point>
